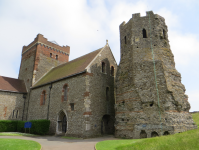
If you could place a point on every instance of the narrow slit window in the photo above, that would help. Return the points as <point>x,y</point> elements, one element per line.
<point>107,93</point>
<point>112,71</point>
<point>125,40</point>
<point>65,93</point>
<point>164,37</point>
<point>72,106</point>
<point>17,113</point>
<point>51,55</point>
<point>56,57</point>
<point>103,67</point>
<point>44,98</point>
<point>13,113</point>
<point>144,33</point>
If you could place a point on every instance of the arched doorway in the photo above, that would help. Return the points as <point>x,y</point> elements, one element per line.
<point>154,134</point>
<point>166,133</point>
<point>107,125</point>
<point>62,122</point>
<point>143,134</point>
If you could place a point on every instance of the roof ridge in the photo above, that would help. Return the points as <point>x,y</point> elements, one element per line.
<point>74,59</point>
<point>11,78</point>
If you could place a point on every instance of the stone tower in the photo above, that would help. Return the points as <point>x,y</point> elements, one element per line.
<point>150,98</point>
<point>39,57</point>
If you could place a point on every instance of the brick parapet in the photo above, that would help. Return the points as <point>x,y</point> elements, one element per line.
<point>43,41</point>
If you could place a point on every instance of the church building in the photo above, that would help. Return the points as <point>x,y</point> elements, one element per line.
<point>76,96</point>
<point>89,96</point>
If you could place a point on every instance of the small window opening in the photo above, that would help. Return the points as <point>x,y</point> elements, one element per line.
<point>44,98</point>
<point>144,33</point>
<point>127,119</point>
<point>125,40</point>
<point>164,37</point>
<point>112,71</point>
<point>13,113</point>
<point>151,104</point>
<point>72,106</point>
<point>122,119</point>
<point>56,57</point>
<point>123,102</point>
<point>17,113</point>
<point>103,67</point>
<point>51,55</point>
<point>65,93</point>
<point>137,46</point>
<point>107,93</point>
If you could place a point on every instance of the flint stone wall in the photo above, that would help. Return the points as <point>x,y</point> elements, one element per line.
<point>136,94</point>
<point>9,102</point>
<point>88,93</point>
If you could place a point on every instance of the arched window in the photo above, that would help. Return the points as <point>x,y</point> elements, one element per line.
<point>13,113</point>
<point>164,36</point>
<point>107,93</point>
<point>144,33</point>
<point>65,93</point>
<point>125,40</point>
<point>43,98</point>
<point>112,71</point>
<point>103,67</point>
<point>17,113</point>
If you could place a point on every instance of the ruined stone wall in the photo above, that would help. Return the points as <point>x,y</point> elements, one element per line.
<point>9,102</point>
<point>137,108</point>
<point>76,92</point>
<point>96,102</point>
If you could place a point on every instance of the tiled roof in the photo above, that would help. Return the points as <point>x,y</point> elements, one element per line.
<point>13,85</point>
<point>68,69</point>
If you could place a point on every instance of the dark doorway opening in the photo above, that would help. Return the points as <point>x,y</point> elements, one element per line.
<point>143,134</point>
<point>166,133</point>
<point>107,125</point>
<point>154,134</point>
<point>62,122</point>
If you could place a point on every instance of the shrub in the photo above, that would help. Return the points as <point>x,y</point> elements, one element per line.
<point>8,126</point>
<point>40,127</point>
<point>20,126</point>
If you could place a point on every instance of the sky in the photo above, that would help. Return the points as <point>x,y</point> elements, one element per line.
<point>85,25</point>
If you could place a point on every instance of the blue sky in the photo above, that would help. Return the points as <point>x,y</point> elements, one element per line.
<point>85,25</point>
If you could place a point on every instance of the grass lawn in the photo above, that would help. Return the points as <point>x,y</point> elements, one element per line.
<point>188,140</point>
<point>15,134</point>
<point>18,144</point>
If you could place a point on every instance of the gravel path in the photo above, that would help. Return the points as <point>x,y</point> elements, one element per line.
<point>58,143</point>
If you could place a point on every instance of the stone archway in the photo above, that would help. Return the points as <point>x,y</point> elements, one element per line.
<point>61,122</point>
<point>154,134</point>
<point>166,133</point>
<point>107,125</point>
<point>143,134</point>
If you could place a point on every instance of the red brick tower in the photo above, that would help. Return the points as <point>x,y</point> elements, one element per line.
<point>39,57</point>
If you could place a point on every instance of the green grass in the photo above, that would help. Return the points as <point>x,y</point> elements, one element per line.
<point>18,144</point>
<point>72,138</point>
<point>188,140</point>
<point>15,134</point>
<point>113,144</point>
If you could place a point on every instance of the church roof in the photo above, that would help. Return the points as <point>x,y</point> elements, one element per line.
<point>12,85</point>
<point>68,69</point>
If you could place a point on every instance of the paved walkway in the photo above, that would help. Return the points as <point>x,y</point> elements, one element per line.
<point>58,143</point>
